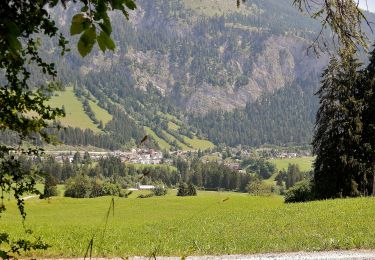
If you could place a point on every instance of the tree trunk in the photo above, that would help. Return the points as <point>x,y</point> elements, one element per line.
<point>373,177</point>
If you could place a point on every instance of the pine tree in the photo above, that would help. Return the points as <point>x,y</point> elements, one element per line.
<point>50,187</point>
<point>368,135</point>
<point>337,138</point>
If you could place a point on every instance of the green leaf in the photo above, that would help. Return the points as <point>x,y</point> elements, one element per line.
<point>86,41</point>
<point>106,24</point>
<point>101,41</point>
<point>105,41</point>
<point>130,4</point>
<point>12,35</point>
<point>79,24</point>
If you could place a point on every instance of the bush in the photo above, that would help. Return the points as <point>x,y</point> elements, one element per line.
<point>300,192</point>
<point>160,191</point>
<point>143,196</point>
<point>81,186</point>
<point>258,187</point>
<point>124,194</point>
<point>186,190</point>
<point>50,187</point>
<point>78,187</point>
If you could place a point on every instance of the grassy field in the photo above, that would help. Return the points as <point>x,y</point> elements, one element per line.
<point>75,115</point>
<point>100,113</point>
<point>211,223</point>
<point>162,143</point>
<point>216,7</point>
<point>173,126</point>
<point>171,138</point>
<point>199,143</point>
<point>305,163</point>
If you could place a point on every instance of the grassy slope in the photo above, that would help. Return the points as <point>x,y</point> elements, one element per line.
<point>173,225</point>
<point>100,113</point>
<point>305,163</point>
<point>184,147</point>
<point>162,143</point>
<point>216,7</point>
<point>75,115</point>
<point>199,143</point>
<point>173,126</point>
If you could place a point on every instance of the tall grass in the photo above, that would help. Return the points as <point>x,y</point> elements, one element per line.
<point>211,223</point>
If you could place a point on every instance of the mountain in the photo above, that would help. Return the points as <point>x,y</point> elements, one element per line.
<point>186,72</point>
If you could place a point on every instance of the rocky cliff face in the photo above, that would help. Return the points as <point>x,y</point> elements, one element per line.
<point>210,55</point>
<point>228,63</point>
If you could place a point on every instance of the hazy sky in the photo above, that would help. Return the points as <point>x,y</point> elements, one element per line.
<point>370,3</point>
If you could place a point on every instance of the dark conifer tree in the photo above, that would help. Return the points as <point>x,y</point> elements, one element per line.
<point>368,118</point>
<point>337,138</point>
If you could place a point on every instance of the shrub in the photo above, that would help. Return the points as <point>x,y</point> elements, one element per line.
<point>50,187</point>
<point>82,186</point>
<point>160,191</point>
<point>78,187</point>
<point>124,194</point>
<point>300,192</point>
<point>186,190</point>
<point>258,187</point>
<point>143,196</point>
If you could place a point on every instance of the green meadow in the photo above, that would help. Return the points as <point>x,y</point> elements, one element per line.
<point>211,223</point>
<point>304,163</point>
<point>161,142</point>
<point>75,114</point>
<point>100,113</point>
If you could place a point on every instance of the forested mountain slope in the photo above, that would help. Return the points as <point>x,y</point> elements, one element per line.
<point>232,75</point>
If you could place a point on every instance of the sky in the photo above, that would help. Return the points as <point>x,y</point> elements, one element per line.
<point>370,3</point>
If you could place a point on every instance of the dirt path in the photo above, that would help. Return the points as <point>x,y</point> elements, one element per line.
<point>29,197</point>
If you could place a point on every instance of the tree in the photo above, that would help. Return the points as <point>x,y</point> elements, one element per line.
<point>77,158</point>
<point>257,187</point>
<point>368,118</point>
<point>186,190</point>
<point>337,139</point>
<point>293,175</point>
<point>50,187</point>
<point>343,17</point>
<point>21,24</point>
<point>87,158</point>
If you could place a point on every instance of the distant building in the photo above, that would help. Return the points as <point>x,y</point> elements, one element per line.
<point>145,187</point>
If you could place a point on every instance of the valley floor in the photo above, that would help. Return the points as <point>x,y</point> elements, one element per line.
<point>213,223</point>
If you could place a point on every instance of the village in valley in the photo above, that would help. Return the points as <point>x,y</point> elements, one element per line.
<point>230,157</point>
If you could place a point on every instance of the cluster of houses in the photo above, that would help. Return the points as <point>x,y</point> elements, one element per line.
<point>139,156</point>
<point>284,155</point>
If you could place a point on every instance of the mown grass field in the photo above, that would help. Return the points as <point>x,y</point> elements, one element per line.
<point>216,7</point>
<point>75,115</point>
<point>162,143</point>
<point>305,163</point>
<point>100,113</point>
<point>199,143</point>
<point>211,223</point>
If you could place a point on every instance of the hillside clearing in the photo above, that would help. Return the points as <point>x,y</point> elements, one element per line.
<point>75,115</point>
<point>100,113</point>
<point>198,143</point>
<point>161,142</point>
<point>304,163</point>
